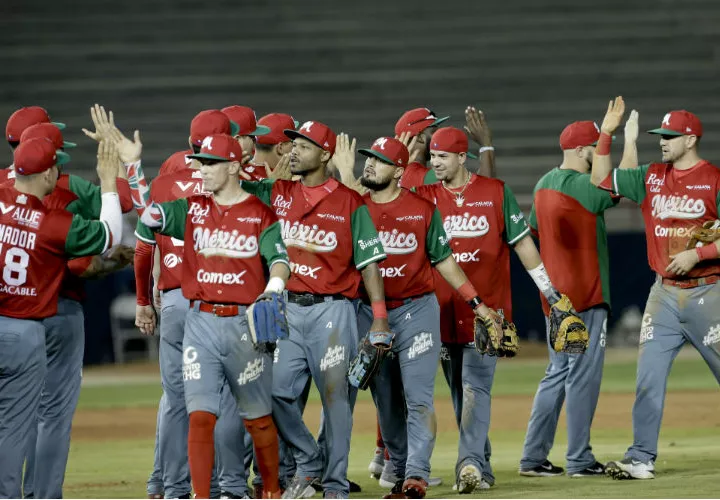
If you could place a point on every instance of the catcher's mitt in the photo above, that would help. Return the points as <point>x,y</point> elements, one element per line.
<point>488,333</point>
<point>267,321</point>
<point>510,343</point>
<point>701,236</point>
<point>567,331</point>
<point>371,353</point>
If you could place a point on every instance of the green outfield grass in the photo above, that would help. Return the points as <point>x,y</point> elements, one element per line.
<point>118,465</point>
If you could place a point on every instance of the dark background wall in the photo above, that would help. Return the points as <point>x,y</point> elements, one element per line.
<point>532,66</point>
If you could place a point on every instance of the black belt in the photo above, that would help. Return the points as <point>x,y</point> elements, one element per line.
<point>310,299</point>
<point>395,303</point>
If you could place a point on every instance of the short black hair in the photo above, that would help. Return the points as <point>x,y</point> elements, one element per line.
<point>264,147</point>
<point>14,144</point>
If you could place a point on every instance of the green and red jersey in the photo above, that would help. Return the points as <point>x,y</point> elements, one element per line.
<point>483,220</point>
<point>411,232</point>
<point>416,175</point>
<point>673,202</point>
<point>228,248</point>
<point>568,215</point>
<point>35,243</point>
<point>330,238</point>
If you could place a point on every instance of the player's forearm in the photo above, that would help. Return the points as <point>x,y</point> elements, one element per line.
<point>630,155</point>
<point>487,162</point>
<point>456,278</point>
<point>139,190</point>
<point>143,262</point>
<point>111,214</point>
<point>279,274</point>
<point>375,289</point>
<point>602,163</point>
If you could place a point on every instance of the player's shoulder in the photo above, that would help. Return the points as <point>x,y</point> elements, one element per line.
<point>177,161</point>
<point>351,195</point>
<point>417,200</point>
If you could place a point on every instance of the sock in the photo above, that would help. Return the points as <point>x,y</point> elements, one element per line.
<point>201,451</point>
<point>265,440</point>
<point>379,440</point>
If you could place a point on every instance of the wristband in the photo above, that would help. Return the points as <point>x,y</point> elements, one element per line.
<point>603,145</point>
<point>707,252</point>
<point>467,291</point>
<point>474,302</point>
<point>485,148</point>
<point>275,284</point>
<point>379,310</point>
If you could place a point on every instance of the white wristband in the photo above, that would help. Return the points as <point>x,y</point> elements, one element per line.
<point>541,279</point>
<point>275,284</point>
<point>485,148</point>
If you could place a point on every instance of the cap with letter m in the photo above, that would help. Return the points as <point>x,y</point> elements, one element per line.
<point>37,155</point>
<point>679,122</point>
<point>416,120</point>
<point>388,150</point>
<point>219,147</point>
<point>318,133</point>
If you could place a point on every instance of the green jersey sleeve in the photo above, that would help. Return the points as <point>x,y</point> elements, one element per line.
<point>593,199</point>
<point>262,189</point>
<point>87,237</point>
<point>515,225</point>
<point>367,247</point>
<point>174,214</point>
<point>430,177</point>
<point>437,241</point>
<point>630,182</point>
<point>532,219</point>
<point>717,202</point>
<point>89,199</point>
<point>272,247</point>
<point>144,233</point>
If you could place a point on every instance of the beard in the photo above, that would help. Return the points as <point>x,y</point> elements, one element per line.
<point>374,185</point>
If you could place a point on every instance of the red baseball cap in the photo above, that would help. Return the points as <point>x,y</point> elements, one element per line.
<point>416,120</point>
<point>211,122</point>
<point>579,134</point>
<point>37,155</point>
<point>276,124</point>
<point>679,122</point>
<point>48,130</point>
<point>246,119</point>
<point>25,117</point>
<point>315,132</point>
<point>450,140</point>
<point>220,147</point>
<point>177,161</point>
<point>388,150</point>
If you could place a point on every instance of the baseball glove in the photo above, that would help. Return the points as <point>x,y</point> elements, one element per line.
<point>701,236</point>
<point>488,333</point>
<point>267,321</point>
<point>371,352</point>
<point>567,331</point>
<point>509,344</point>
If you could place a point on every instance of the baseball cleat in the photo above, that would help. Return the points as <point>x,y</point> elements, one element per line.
<point>545,469</point>
<point>484,485</point>
<point>435,481</point>
<point>397,490</point>
<point>377,463</point>
<point>156,495</point>
<point>388,479</point>
<point>629,468</point>
<point>300,487</point>
<point>597,469</point>
<point>469,479</point>
<point>414,487</point>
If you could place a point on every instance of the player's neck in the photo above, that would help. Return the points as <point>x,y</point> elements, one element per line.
<point>461,178</point>
<point>316,177</point>
<point>230,194</point>
<point>688,161</point>
<point>579,166</point>
<point>265,157</point>
<point>30,188</point>
<point>386,195</point>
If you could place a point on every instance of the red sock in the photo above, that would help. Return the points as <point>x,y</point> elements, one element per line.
<point>201,451</point>
<point>265,439</point>
<point>379,440</point>
<point>387,454</point>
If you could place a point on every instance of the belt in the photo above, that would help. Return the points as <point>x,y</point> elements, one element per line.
<point>693,282</point>
<point>310,299</point>
<point>221,310</point>
<point>395,303</point>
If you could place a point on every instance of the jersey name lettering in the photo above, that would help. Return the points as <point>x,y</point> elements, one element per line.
<point>466,225</point>
<point>676,207</point>
<point>226,243</point>
<point>17,237</point>
<point>397,243</point>
<point>311,238</point>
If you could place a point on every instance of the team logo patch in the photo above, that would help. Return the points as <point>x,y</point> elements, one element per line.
<point>646,328</point>
<point>444,354</point>
<point>466,225</point>
<point>421,344</point>
<point>224,243</point>
<point>393,272</point>
<point>713,336</point>
<point>252,371</point>
<point>398,243</point>
<point>171,260</point>
<point>333,357</point>
<point>191,369</point>
<point>677,207</point>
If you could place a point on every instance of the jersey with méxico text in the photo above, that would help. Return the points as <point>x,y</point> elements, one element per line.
<point>411,232</point>
<point>482,220</point>
<point>35,243</point>
<point>673,202</point>
<point>174,186</point>
<point>568,215</point>
<point>228,250</point>
<point>330,242</point>
<point>176,162</point>
<point>416,175</point>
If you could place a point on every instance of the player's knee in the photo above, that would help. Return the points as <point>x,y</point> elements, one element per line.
<point>262,430</point>
<point>202,421</point>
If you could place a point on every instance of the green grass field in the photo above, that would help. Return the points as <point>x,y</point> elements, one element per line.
<point>112,450</point>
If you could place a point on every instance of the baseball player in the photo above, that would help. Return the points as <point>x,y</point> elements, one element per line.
<point>36,243</point>
<point>247,134</point>
<point>234,236</point>
<point>414,239</point>
<point>320,218</point>
<point>566,203</point>
<point>205,123</point>
<point>676,196</point>
<point>483,220</point>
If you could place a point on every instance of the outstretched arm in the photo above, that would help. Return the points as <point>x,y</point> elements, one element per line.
<point>602,165</point>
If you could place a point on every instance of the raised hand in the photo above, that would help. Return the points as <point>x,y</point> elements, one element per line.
<point>281,170</point>
<point>128,151</point>
<point>613,116</point>
<point>103,122</point>
<point>410,141</point>
<point>344,157</point>
<point>632,127</point>
<point>477,127</point>
<point>107,157</point>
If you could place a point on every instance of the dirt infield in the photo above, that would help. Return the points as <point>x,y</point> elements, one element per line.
<point>508,413</point>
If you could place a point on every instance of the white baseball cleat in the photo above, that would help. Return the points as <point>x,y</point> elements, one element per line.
<point>629,468</point>
<point>388,477</point>
<point>470,479</point>
<point>377,463</point>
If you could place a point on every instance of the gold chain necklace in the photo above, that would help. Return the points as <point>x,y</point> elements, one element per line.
<point>459,198</point>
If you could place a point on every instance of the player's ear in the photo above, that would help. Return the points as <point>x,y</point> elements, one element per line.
<point>462,157</point>
<point>234,168</point>
<point>325,157</point>
<point>691,141</point>
<point>190,143</point>
<point>579,151</point>
<point>398,172</point>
